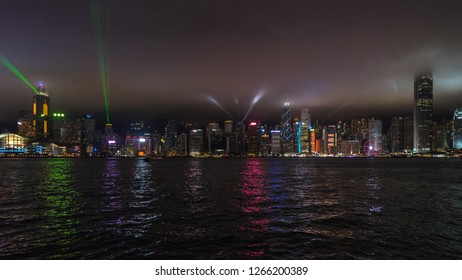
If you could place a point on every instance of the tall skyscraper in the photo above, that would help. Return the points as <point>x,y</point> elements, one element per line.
<point>275,142</point>
<point>457,129</point>
<point>396,135</point>
<point>286,134</point>
<point>253,139</point>
<point>25,125</point>
<point>423,113</point>
<point>40,111</point>
<point>87,135</point>
<point>374,145</point>
<point>196,142</point>
<point>304,131</point>
<point>171,134</point>
<point>214,138</point>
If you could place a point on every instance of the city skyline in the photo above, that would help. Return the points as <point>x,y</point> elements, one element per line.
<point>342,61</point>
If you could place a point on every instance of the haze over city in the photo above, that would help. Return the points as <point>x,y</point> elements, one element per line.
<point>341,59</point>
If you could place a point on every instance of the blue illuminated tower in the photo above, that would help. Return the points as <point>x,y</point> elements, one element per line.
<point>423,113</point>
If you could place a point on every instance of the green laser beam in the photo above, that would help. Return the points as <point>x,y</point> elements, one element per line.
<point>15,71</point>
<point>98,17</point>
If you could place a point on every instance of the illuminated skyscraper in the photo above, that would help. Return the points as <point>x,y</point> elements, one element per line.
<point>59,127</point>
<point>253,139</point>
<point>275,142</point>
<point>214,138</point>
<point>196,142</point>
<point>423,113</point>
<point>287,135</point>
<point>171,134</point>
<point>396,135</point>
<point>304,131</point>
<point>25,125</point>
<point>457,129</point>
<point>374,145</point>
<point>87,135</point>
<point>40,111</point>
<point>330,137</point>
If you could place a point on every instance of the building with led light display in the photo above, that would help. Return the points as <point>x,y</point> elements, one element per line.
<point>286,133</point>
<point>12,143</point>
<point>41,114</point>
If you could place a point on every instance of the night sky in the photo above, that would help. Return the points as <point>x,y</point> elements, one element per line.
<point>343,59</point>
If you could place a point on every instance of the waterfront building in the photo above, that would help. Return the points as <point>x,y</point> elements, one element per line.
<point>457,129</point>
<point>196,141</point>
<point>396,135</point>
<point>423,113</point>
<point>240,136</point>
<point>358,129</point>
<point>12,144</point>
<point>87,134</point>
<point>253,139</point>
<point>312,137</point>
<point>26,126</point>
<point>59,122</point>
<point>287,139</point>
<point>182,145</point>
<point>440,138</point>
<point>275,142</point>
<point>214,138</point>
<point>171,135</point>
<point>330,140</point>
<point>138,145</point>
<point>350,147</point>
<point>41,115</point>
<point>304,131</point>
<point>408,134</point>
<point>374,144</point>
<point>230,137</point>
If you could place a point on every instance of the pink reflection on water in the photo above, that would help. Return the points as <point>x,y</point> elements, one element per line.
<point>253,187</point>
<point>255,196</point>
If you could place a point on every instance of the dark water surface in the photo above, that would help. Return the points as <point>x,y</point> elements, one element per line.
<point>310,208</point>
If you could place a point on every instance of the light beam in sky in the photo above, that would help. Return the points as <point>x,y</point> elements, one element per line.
<point>15,71</point>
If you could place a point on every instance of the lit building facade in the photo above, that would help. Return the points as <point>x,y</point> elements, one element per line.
<point>440,138</point>
<point>12,143</point>
<point>214,138</point>
<point>374,145</point>
<point>423,114</point>
<point>396,135</point>
<point>457,129</point>
<point>87,135</point>
<point>59,127</point>
<point>138,145</point>
<point>171,134</point>
<point>41,114</point>
<point>253,139</point>
<point>287,140</point>
<point>330,139</point>
<point>196,142</point>
<point>275,142</point>
<point>26,126</point>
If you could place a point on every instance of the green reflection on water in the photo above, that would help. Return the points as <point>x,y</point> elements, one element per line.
<point>58,192</point>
